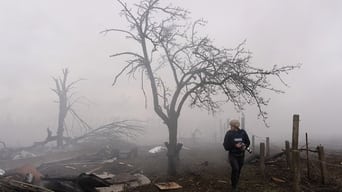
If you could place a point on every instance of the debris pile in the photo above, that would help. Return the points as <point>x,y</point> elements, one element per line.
<point>109,169</point>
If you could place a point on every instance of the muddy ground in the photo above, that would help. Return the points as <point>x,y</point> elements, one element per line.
<point>202,168</point>
<point>206,169</point>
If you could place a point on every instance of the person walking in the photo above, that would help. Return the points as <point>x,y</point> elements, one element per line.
<point>236,141</point>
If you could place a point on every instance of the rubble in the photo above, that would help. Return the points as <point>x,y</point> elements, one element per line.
<point>78,173</point>
<point>125,181</point>
<point>84,182</point>
<point>123,178</point>
<point>2,172</point>
<point>141,180</point>
<point>157,149</point>
<point>11,185</point>
<point>112,188</point>
<point>26,173</point>
<point>24,155</point>
<point>105,175</point>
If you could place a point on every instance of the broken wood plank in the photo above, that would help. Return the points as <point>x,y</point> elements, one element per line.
<point>168,185</point>
<point>14,185</point>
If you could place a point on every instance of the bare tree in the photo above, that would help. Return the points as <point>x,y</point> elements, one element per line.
<point>62,90</point>
<point>200,71</point>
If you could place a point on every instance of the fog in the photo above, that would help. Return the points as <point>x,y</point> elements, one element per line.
<point>40,37</point>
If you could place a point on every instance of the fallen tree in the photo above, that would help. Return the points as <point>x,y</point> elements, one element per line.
<point>115,129</point>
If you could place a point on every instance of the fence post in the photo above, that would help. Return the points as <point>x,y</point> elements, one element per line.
<point>268,147</point>
<point>262,159</point>
<point>295,136</point>
<point>295,154</point>
<point>295,132</point>
<point>296,170</point>
<point>288,154</point>
<point>323,166</point>
<point>307,154</point>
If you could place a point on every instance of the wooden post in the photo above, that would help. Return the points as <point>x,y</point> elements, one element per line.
<point>262,159</point>
<point>268,147</point>
<point>296,170</point>
<point>307,154</point>
<point>288,154</point>
<point>253,142</point>
<point>323,166</point>
<point>295,132</point>
<point>295,154</point>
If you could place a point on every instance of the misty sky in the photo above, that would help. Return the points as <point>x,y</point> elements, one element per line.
<point>40,37</point>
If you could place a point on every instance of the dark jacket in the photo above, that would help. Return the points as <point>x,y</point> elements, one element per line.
<point>233,137</point>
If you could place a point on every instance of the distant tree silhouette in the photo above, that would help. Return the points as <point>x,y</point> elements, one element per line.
<point>63,91</point>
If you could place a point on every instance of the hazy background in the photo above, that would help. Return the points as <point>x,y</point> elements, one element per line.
<point>40,37</point>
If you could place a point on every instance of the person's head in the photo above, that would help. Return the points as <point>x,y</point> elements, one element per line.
<point>234,124</point>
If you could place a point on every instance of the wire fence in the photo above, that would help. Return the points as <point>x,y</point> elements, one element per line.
<point>326,163</point>
<point>312,147</point>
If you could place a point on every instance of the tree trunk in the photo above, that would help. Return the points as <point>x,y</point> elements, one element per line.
<point>173,148</point>
<point>61,117</point>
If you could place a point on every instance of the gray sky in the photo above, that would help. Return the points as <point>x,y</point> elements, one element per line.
<point>40,37</point>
